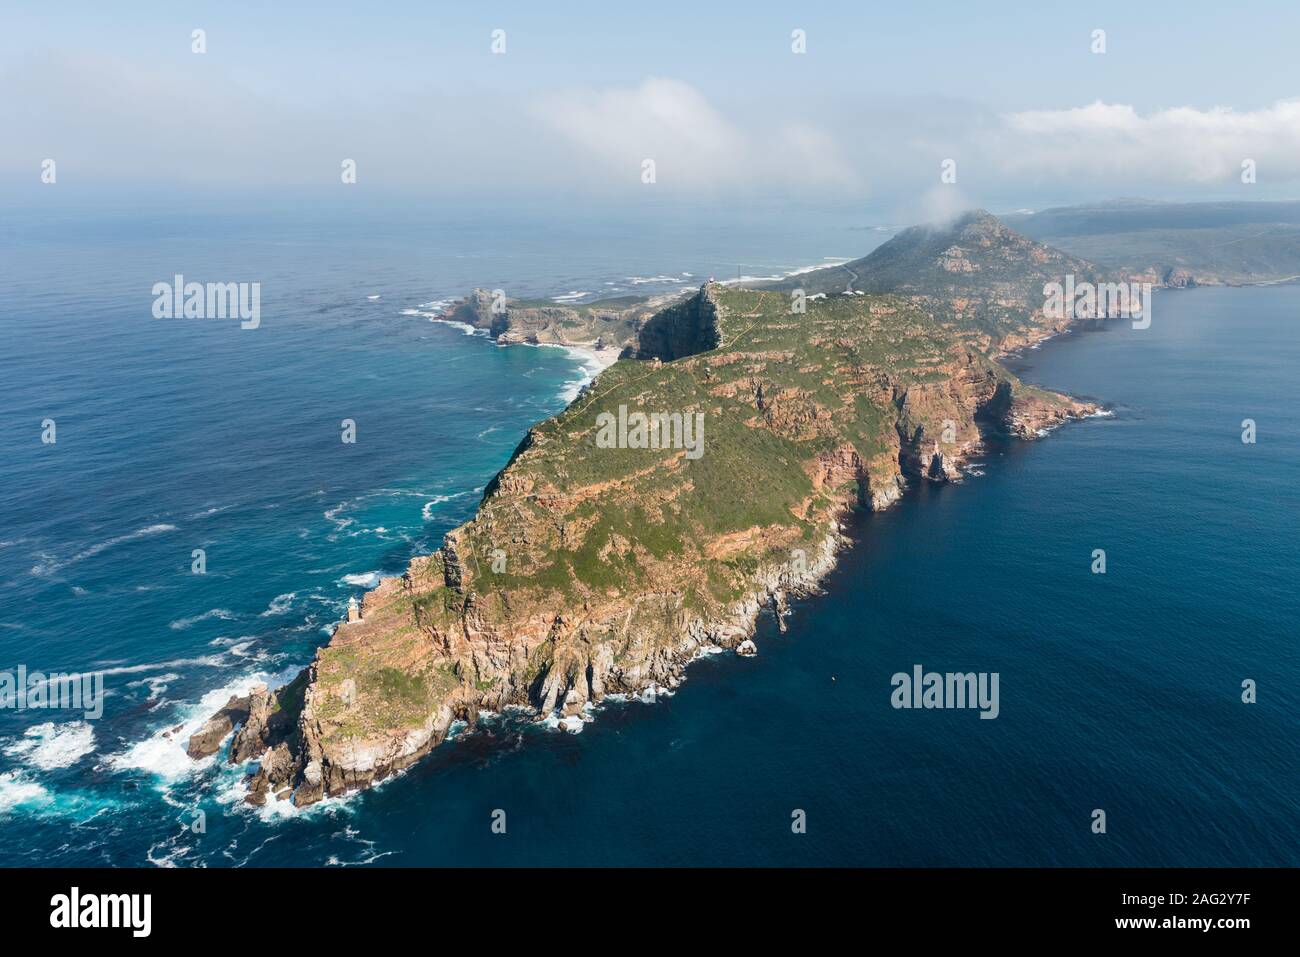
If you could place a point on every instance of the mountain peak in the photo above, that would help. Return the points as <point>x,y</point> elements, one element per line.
<point>972,222</point>
<point>974,271</point>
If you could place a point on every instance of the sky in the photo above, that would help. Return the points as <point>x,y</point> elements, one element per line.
<point>584,93</point>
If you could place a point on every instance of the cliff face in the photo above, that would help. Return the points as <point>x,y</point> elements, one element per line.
<point>608,552</point>
<point>682,330</point>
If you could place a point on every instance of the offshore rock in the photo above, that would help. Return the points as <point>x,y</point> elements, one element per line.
<point>207,740</point>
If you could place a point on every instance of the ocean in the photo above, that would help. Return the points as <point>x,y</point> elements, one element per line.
<point>1118,691</point>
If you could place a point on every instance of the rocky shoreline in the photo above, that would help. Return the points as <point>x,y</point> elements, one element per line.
<point>259,719</point>
<point>596,597</point>
<point>255,718</point>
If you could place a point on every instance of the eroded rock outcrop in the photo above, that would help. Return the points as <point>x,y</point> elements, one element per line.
<point>208,739</point>
<point>612,323</point>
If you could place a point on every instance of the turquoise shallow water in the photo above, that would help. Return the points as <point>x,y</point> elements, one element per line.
<point>1118,692</point>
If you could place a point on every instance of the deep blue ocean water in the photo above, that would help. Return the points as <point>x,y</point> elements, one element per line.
<point>1118,691</point>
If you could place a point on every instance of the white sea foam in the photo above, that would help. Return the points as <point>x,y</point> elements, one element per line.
<point>644,280</point>
<point>593,364</point>
<point>174,852</point>
<point>436,312</point>
<point>331,515</point>
<point>49,746</point>
<point>334,861</point>
<point>826,263</point>
<point>203,513</point>
<point>279,604</point>
<point>573,724</point>
<point>157,684</point>
<point>222,613</point>
<point>229,789</point>
<point>52,565</point>
<point>227,641</point>
<point>653,693</point>
<point>464,327</point>
<point>162,753</point>
<point>17,790</point>
<point>427,512</point>
<point>210,661</point>
<point>364,579</point>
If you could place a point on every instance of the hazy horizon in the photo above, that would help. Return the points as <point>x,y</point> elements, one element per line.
<point>574,102</point>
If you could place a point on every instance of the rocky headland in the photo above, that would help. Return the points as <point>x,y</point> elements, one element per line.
<point>605,324</point>
<point>594,568</point>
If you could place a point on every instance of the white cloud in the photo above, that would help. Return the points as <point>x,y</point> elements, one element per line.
<point>110,121</point>
<point>1179,145</point>
<point>938,206</point>
<point>664,120</point>
<point>693,145</point>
